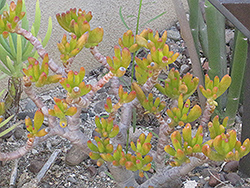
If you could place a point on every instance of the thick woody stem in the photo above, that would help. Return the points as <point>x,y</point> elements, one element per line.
<point>168,176</point>
<point>40,50</point>
<point>209,110</point>
<point>124,124</point>
<point>68,64</point>
<point>28,89</point>
<point>164,133</point>
<point>99,57</point>
<point>127,109</point>
<point>200,156</point>
<point>123,177</point>
<point>105,79</point>
<point>114,86</point>
<point>19,152</point>
<point>151,81</point>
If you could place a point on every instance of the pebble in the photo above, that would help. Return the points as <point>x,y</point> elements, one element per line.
<point>19,133</point>
<point>35,166</point>
<point>234,179</point>
<point>75,156</point>
<point>229,33</point>
<point>231,166</point>
<point>215,179</point>
<point>72,179</point>
<point>174,35</point>
<point>23,179</point>
<point>34,151</point>
<point>190,184</point>
<point>184,69</point>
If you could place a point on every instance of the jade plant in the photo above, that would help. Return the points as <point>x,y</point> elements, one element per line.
<point>112,146</point>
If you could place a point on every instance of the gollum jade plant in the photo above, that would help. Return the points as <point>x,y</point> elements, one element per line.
<point>109,147</point>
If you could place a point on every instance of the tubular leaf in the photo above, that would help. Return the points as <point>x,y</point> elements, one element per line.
<point>37,21</point>
<point>48,34</point>
<point>122,18</point>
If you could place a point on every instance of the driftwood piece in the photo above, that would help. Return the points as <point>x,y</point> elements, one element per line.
<point>14,172</point>
<point>47,165</point>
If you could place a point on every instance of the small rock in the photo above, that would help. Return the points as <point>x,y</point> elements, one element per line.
<point>190,184</point>
<point>229,35</point>
<point>34,151</point>
<point>19,133</point>
<point>72,179</point>
<point>241,110</point>
<point>184,69</point>
<point>23,179</point>
<point>31,184</point>
<point>46,98</point>
<point>205,172</point>
<point>92,171</point>
<point>215,179</point>
<point>99,107</point>
<point>207,185</point>
<point>30,106</point>
<point>35,166</point>
<point>234,179</point>
<point>231,166</point>
<point>55,141</point>
<point>195,178</point>
<point>174,34</point>
<point>75,156</point>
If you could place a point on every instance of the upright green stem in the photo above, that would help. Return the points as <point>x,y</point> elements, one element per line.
<point>216,41</point>
<point>136,32</point>
<point>133,70</point>
<point>138,18</point>
<point>216,47</point>
<point>237,74</point>
<point>193,21</point>
<point>202,33</point>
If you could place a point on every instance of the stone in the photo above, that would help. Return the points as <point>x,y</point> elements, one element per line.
<point>229,35</point>
<point>190,184</point>
<point>32,184</point>
<point>72,179</point>
<point>215,179</point>
<point>184,69</point>
<point>205,172</point>
<point>19,133</point>
<point>75,156</point>
<point>174,34</point>
<point>231,166</point>
<point>35,165</point>
<point>23,179</point>
<point>99,107</point>
<point>234,179</point>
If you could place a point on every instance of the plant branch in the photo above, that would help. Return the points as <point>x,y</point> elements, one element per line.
<point>99,57</point>
<point>164,132</point>
<point>40,50</point>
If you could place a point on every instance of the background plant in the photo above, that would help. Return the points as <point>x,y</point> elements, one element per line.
<point>209,34</point>
<point>15,50</point>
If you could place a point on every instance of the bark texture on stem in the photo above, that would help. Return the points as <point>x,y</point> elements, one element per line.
<point>18,153</point>
<point>168,176</point>
<point>164,133</point>
<point>209,110</point>
<point>99,57</point>
<point>40,50</point>
<point>32,95</point>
